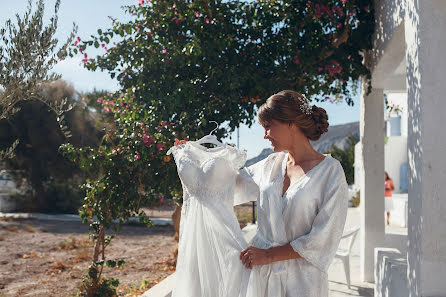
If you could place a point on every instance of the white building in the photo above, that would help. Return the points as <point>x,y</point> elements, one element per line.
<point>407,59</point>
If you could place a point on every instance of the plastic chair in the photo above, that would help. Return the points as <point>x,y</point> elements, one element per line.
<point>344,254</point>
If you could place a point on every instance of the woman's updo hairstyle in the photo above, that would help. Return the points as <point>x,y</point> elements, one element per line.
<point>288,106</point>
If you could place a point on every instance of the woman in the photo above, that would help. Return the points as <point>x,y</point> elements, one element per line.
<point>388,188</point>
<point>302,205</point>
<point>388,185</point>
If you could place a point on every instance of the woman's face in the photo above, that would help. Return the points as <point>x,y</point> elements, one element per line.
<point>279,134</point>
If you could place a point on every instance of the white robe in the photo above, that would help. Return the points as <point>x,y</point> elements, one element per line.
<point>310,216</point>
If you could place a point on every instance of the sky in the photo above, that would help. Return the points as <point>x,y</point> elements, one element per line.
<point>90,16</point>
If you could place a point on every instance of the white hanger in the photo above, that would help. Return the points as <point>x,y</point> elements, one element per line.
<point>210,138</point>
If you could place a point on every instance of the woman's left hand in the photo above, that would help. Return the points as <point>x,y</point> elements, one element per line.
<point>254,256</point>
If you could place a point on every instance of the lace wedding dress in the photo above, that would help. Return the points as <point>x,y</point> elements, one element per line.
<point>210,238</point>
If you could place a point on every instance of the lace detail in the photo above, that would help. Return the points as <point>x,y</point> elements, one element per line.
<point>235,155</point>
<point>210,239</point>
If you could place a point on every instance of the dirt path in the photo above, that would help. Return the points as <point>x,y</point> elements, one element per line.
<point>49,258</point>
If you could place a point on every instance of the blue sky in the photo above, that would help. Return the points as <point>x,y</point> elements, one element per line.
<point>92,15</point>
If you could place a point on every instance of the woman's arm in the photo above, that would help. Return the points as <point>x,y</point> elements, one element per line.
<point>255,256</point>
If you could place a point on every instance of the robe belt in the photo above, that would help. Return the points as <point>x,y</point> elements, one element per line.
<point>276,271</point>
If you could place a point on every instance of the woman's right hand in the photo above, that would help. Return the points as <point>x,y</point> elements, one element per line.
<point>178,142</point>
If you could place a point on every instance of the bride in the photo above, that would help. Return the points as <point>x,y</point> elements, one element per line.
<point>302,205</point>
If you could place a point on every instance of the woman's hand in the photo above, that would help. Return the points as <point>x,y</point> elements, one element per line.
<point>178,142</point>
<point>254,256</point>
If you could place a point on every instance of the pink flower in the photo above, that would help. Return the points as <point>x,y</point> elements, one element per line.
<point>138,155</point>
<point>320,69</point>
<point>141,2</point>
<point>99,100</point>
<point>75,43</point>
<point>206,20</point>
<point>344,2</point>
<point>197,14</point>
<point>78,39</point>
<point>334,68</point>
<point>159,146</point>
<point>112,103</point>
<point>85,55</point>
<point>147,140</point>
<point>161,198</point>
<point>296,60</point>
<point>84,60</point>
<point>141,125</point>
<point>338,10</point>
<point>164,51</point>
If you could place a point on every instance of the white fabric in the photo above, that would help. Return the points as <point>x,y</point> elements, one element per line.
<point>210,239</point>
<point>310,217</point>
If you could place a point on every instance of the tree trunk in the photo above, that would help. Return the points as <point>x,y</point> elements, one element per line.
<point>176,217</point>
<point>40,202</point>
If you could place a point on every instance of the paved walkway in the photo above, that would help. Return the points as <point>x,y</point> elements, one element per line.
<point>74,218</point>
<point>336,275</point>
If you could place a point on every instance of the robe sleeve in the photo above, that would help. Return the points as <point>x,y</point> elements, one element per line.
<point>319,246</point>
<point>247,183</point>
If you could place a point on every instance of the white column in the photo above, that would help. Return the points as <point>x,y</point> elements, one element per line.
<point>371,178</point>
<point>425,27</point>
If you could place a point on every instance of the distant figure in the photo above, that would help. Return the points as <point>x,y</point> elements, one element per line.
<point>389,187</point>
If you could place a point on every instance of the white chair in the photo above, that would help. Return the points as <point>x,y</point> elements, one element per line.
<point>344,254</point>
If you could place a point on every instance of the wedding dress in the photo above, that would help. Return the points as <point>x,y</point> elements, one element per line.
<point>210,238</point>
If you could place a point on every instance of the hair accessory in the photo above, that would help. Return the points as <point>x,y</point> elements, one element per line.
<point>305,107</point>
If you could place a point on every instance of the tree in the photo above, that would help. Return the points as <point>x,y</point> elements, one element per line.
<point>27,55</point>
<point>197,60</point>
<point>346,157</point>
<point>194,61</point>
<point>39,137</point>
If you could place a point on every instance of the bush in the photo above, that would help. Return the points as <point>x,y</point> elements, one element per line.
<point>356,199</point>
<point>64,197</point>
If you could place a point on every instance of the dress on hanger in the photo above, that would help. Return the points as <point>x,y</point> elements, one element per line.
<point>210,238</point>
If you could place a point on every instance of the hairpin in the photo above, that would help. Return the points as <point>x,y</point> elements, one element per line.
<point>305,107</point>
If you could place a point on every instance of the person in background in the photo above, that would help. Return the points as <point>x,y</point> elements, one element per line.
<point>389,187</point>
